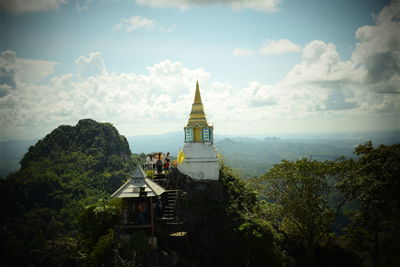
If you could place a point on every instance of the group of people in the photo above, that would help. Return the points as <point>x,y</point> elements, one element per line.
<point>158,162</point>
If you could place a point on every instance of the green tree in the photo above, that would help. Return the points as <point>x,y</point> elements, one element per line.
<point>97,220</point>
<point>304,205</point>
<point>71,168</point>
<point>374,183</point>
<point>252,239</point>
<point>102,255</point>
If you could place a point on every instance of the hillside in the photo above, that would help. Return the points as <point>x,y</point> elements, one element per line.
<point>71,167</point>
<point>57,211</point>
<point>254,157</point>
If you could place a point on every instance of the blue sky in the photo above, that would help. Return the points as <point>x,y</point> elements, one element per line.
<point>265,67</point>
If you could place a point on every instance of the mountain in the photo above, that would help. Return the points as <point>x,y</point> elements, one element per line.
<point>71,167</point>
<point>169,142</point>
<point>254,157</point>
<point>289,146</point>
<point>55,208</point>
<point>251,156</point>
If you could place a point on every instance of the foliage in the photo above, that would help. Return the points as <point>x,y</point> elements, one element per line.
<point>150,174</point>
<point>138,159</point>
<point>374,183</point>
<point>136,244</point>
<point>258,246</point>
<point>70,168</point>
<point>96,220</point>
<point>301,202</point>
<point>102,252</point>
<point>253,240</point>
<point>54,207</point>
<point>240,197</point>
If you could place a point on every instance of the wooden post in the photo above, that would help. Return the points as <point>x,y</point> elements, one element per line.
<point>152,217</point>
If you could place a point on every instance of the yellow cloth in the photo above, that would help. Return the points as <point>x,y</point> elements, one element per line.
<point>181,156</point>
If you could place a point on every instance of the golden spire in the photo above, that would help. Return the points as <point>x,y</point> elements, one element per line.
<point>197,97</point>
<point>197,116</point>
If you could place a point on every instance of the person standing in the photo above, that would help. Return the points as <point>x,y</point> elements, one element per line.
<point>149,163</point>
<point>159,164</point>
<point>153,161</point>
<point>166,162</point>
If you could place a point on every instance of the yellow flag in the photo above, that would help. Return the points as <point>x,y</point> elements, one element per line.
<point>181,156</point>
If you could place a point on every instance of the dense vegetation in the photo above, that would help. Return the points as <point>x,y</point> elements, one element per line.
<point>70,168</point>
<point>302,212</point>
<point>332,213</point>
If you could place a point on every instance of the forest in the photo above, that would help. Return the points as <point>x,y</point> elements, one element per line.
<point>304,212</point>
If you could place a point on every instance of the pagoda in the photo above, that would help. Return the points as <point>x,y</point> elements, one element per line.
<point>198,156</point>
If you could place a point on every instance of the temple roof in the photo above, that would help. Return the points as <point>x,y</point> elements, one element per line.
<point>197,96</point>
<point>131,189</point>
<point>197,115</point>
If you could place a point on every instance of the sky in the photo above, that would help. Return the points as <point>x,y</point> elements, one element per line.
<point>265,67</point>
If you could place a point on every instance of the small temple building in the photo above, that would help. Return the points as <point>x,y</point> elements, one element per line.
<point>140,197</point>
<point>198,157</point>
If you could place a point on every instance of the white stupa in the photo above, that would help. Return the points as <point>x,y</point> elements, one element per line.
<point>198,156</point>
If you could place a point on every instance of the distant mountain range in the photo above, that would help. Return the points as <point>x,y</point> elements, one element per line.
<point>252,155</point>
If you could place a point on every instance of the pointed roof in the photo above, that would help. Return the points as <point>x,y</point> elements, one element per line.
<point>197,115</point>
<point>197,97</point>
<point>131,188</point>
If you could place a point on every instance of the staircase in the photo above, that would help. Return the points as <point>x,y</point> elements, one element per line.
<point>170,209</point>
<point>160,178</point>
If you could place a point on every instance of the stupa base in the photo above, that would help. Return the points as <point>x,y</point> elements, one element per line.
<point>200,162</point>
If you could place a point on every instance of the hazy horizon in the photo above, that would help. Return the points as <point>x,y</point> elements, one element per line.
<point>305,135</point>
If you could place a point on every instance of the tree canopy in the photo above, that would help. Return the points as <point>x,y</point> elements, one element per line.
<point>70,168</point>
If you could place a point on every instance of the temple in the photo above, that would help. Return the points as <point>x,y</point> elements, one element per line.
<point>198,157</point>
<point>197,129</point>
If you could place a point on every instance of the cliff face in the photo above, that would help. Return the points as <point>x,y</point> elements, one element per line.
<point>203,205</point>
<point>204,209</point>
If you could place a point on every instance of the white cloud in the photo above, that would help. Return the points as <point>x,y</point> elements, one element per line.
<point>270,47</point>
<point>242,52</point>
<point>166,29</point>
<point>7,71</point>
<point>135,23</point>
<point>258,5</point>
<point>322,65</point>
<point>15,70</point>
<point>160,100</point>
<point>91,66</point>
<point>260,95</point>
<point>323,85</point>
<point>378,50</point>
<point>82,5</point>
<point>278,47</point>
<point>156,98</point>
<point>33,71</point>
<point>25,6</point>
